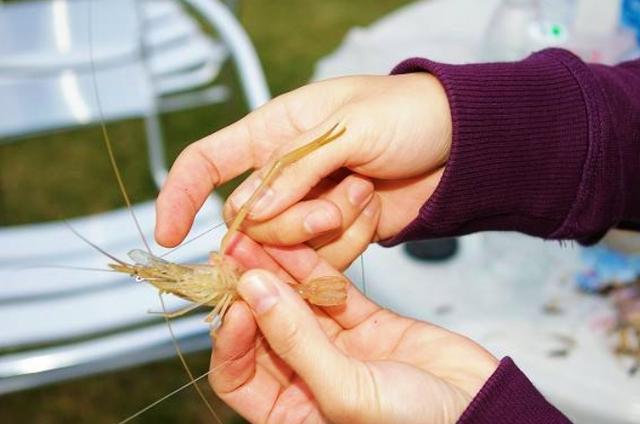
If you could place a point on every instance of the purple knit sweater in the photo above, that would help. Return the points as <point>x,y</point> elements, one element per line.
<point>548,146</point>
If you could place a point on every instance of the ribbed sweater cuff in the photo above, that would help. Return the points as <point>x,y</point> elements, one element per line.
<point>525,139</point>
<point>509,397</point>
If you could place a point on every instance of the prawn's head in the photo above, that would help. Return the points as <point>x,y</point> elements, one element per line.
<point>226,264</point>
<point>126,268</point>
<point>145,267</point>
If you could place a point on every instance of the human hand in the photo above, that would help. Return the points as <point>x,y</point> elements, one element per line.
<point>397,140</point>
<point>278,359</point>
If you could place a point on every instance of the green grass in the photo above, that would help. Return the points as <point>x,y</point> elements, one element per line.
<point>67,174</point>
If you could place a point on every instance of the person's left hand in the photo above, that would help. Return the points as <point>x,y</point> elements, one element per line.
<point>276,359</point>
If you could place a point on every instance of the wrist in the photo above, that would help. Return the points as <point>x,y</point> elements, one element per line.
<point>513,166</point>
<point>428,96</point>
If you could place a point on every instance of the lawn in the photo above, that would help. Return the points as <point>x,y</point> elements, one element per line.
<point>67,174</point>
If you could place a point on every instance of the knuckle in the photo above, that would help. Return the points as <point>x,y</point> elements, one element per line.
<point>357,235</point>
<point>359,179</point>
<point>332,211</point>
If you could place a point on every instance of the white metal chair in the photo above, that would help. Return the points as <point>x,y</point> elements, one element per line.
<point>64,323</point>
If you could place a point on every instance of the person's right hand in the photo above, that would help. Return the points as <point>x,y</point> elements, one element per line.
<point>277,359</point>
<point>398,136</point>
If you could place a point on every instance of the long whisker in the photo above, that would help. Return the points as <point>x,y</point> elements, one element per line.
<point>75,268</point>
<point>184,361</point>
<point>363,275</point>
<point>165,397</point>
<point>196,237</point>
<point>184,386</point>
<point>93,245</point>
<point>105,133</point>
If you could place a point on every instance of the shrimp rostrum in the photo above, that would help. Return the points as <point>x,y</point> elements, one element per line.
<point>215,284</point>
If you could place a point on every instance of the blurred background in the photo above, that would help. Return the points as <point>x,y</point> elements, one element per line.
<point>78,346</point>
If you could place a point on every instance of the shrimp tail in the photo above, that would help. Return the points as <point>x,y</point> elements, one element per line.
<point>324,291</point>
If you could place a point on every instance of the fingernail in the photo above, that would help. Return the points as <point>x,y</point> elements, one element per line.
<point>244,193</point>
<point>259,291</point>
<point>319,220</point>
<point>359,192</point>
<point>370,210</point>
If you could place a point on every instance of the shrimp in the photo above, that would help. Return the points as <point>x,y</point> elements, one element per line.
<point>214,284</point>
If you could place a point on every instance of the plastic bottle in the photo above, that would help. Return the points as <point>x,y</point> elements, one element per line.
<point>590,28</point>
<point>519,27</point>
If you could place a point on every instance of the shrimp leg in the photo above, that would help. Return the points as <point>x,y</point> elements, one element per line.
<point>184,310</point>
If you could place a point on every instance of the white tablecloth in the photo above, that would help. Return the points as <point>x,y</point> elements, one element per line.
<point>495,289</point>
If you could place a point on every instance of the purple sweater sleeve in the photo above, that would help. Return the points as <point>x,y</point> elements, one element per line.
<point>547,146</point>
<point>509,397</point>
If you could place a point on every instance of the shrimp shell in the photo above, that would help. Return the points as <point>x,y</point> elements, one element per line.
<point>215,284</point>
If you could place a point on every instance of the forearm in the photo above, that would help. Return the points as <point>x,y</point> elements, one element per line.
<point>548,146</point>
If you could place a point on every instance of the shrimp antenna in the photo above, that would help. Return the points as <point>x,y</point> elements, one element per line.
<point>92,244</point>
<point>163,398</point>
<point>71,267</point>
<point>196,237</point>
<point>184,386</point>
<point>123,191</point>
<point>105,133</point>
<point>363,275</point>
<point>184,361</point>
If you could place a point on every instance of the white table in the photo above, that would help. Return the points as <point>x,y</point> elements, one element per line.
<point>495,288</point>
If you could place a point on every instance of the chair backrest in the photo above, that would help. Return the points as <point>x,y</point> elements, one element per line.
<point>138,52</point>
<point>67,323</point>
<point>42,35</point>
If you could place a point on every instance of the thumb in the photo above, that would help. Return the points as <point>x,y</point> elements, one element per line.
<point>294,333</point>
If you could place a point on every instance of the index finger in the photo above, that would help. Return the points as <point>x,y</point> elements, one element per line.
<point>239,147</point>
<point>212,161</point>
<point>199,168</point>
